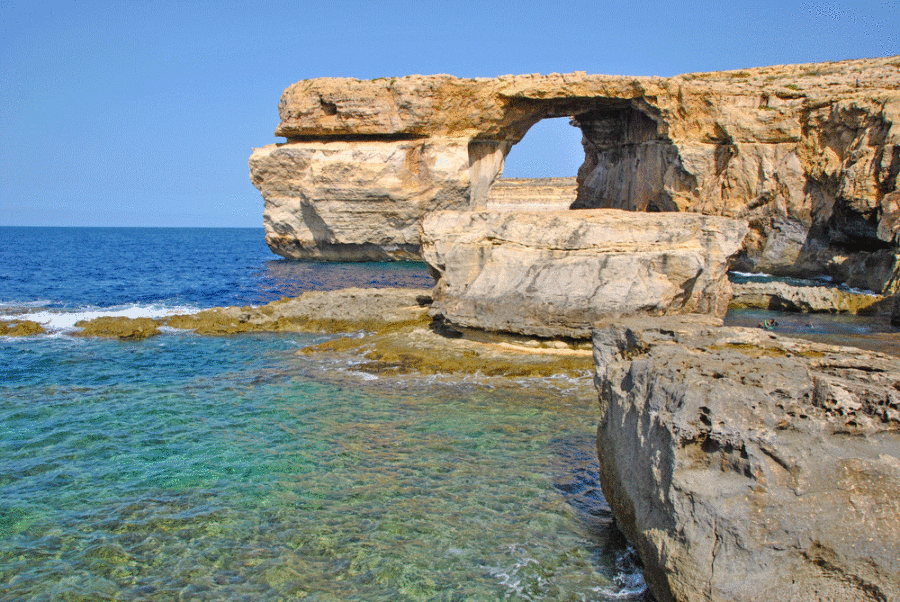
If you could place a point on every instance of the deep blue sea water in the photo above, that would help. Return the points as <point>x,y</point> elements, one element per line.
<point>233,468</point>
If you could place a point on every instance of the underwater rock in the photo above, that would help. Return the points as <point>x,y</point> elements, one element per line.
<point>745,466</point>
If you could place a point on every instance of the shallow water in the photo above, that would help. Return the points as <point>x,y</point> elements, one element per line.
<point>232,468</point>
<point>874,333</point>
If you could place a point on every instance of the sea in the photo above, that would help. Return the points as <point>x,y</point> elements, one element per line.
<point>188,467</point>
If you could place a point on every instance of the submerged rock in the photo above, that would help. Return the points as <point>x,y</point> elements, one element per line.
<point>433,348</point>
<point>553,273</point>
<point>745,466</point>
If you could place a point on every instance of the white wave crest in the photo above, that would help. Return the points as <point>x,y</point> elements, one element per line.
<point>63,320</point>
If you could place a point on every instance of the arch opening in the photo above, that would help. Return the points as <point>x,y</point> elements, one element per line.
<point>539,172</point>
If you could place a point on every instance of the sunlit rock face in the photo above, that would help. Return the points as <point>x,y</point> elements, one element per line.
<point>553,273</point>
<point>807,154</point>
<point>745,466</point>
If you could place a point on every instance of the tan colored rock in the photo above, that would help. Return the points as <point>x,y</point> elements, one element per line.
<point>314,311</point>
<point>118,327</point>
<point>804,153</point>
<point>20,328</point>
<point>814,299</point>
<point>338,200</point>
<point>889,224</point>
<point>532,194</point>
<point>553,273</point>
<point>745,466</point>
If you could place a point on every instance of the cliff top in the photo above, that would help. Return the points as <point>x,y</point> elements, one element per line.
<point>505,107</point>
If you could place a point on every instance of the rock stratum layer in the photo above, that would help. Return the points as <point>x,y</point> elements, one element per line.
<point>748,467</point>
<point>807,154</point>
<point>552,274</point>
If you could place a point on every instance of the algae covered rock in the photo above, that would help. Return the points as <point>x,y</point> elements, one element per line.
<point>118,327</point>
<point>20,328</point>
<point>781,296</point>
<point>314,311</point>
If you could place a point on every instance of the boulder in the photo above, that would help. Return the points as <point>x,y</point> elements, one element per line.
<point>748,467</point>
<point>552,273</point>
<point>807,154</point>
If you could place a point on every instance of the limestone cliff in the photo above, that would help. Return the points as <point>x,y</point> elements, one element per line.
<point>808,154</point>
<point>746,467</point>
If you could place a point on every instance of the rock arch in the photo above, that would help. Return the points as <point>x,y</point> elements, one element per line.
<point>804,154</point>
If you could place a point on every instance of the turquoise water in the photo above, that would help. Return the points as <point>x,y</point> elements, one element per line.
<point>185,467</point>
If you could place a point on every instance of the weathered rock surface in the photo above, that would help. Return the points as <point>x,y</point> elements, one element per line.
<point>808,154</point>
<point>895,313</point>
<point>532,194</point>
<point>314,311</point>
<point>20,328</point>
<point>553,273</point>
<point>357,200</point>
<point>343,310</point>
<point>748,467</point>
<point>119,327</point>
<point>781,296</point>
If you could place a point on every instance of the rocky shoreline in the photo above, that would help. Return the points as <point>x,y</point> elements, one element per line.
<point>743,465</point>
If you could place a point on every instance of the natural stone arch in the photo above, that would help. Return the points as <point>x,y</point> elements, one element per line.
<point>807,157</point>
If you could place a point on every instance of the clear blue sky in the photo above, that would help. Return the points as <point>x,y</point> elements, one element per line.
<point>139,113</point>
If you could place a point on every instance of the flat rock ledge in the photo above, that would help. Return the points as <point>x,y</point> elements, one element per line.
<point>780,296</point>
<point>553,273</point>
<point>314,311</point>
<point>385,332</point>
<point>749,467</point>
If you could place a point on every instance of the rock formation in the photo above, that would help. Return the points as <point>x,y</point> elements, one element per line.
<point>808,154</point>
<point>552,274</point>
<point>747,467</point>
<point>532,194</point>
<point>780,296</point>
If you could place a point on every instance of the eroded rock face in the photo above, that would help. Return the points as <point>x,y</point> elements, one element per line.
<point>553,273</point>
<point>744,466</point>
<point>780,296</point>
<point>360,200</point>
<point>807,154</point>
